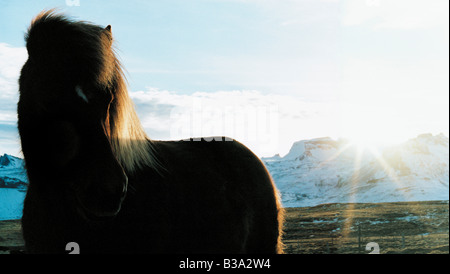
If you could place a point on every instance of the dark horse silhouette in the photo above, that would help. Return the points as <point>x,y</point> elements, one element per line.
<point>96,178</point>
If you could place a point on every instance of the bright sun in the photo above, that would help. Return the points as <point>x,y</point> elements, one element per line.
<point>367,128</point>
<point>365,141</point>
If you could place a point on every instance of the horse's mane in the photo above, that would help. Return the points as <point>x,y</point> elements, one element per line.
<point>129,142</point>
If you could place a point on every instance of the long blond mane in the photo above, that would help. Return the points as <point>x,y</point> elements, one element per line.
<point>129,141</point>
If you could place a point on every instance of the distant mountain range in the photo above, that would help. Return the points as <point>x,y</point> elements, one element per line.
<point>317,171</point>
<point>12,172</point>
<point>324,170</point>
<point>13,185</point>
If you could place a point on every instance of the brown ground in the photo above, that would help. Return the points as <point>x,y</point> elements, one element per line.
<point>410,227</point>
<point>10,236</point>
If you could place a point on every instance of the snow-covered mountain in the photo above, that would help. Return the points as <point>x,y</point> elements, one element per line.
<point>323,170</point>
<point>13,184</point>
<point>12,172</point>
<point>317,171</point>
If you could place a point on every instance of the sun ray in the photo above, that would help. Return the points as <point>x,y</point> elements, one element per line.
<point>390,172</point>
<point>334,156</point>
<point>349,214</point>
<point>361,149</point>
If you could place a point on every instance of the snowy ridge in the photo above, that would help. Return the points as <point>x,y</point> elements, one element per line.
<point>315,172</point>
<point>12,171</point>
<point>13,184</point>
<point>323,170</point>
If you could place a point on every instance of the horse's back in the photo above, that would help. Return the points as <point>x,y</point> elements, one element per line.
<point>223,193</point>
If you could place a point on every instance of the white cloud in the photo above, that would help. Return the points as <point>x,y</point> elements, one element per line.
<point>396,14</point>
<point>267,123</point>
<point>11,61</point>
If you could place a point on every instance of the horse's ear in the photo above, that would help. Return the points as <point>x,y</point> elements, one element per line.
<point>108,32</point>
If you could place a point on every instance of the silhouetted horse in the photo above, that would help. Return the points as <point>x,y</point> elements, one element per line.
<point>97,180</point>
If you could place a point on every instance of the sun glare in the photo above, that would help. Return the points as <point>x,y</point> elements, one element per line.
<point>371,130</point>
<point>365,140</point>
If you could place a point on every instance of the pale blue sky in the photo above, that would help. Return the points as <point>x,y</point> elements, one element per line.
<point>363,69</point>
<point>205,45</point>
